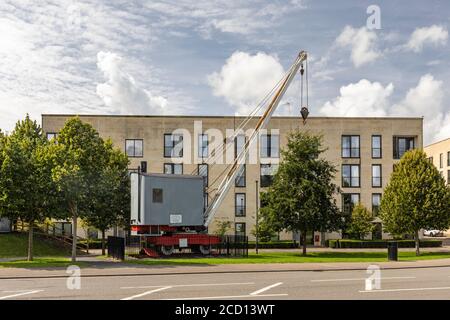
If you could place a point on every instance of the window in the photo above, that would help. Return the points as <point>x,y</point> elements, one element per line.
<point>376,147</point>
<point>240,177</point>
<point>173,145</point>
<point>202,145</point>
<point>52,135</point>
<point>239,229</point>
<point>448,159</point>
<point>430,159</point>
<point>134,147</point>
<point>376,202</point>
<point>203,171</point>
<point>157,195</point>
<point>239,144</point>
<point>350,146</point>
<point>267,172</point>
<point>348,202</point>
<point>350,175</point>
<point>269,146</point>
<point>401,145</point>
<point>448,177</point>
<point>239,204</point>
<point>376,175</point>
<point>173,168</point>
<point>441,160</point>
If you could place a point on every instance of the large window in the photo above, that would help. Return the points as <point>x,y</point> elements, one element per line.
<point>239,204</point>
<point>240,177</point>
<point>267,173</point>
<point>239,228</point>
<point>376,147</point>
<point>401,145</point>
<point>350,175</point>
<point>203,171</point>
<point>202,145</point>
<point>239,144</point>
<point>173,145</point>
<point>350,146</point>
<point>52,135</point>
<point>269,146</point>
<point>376,202</point>
<point>173,168</point>
<point>134,147</point>
<point>349,200</point>
<point>376,175</point>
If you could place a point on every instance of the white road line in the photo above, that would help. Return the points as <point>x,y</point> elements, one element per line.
<point>265,289</point>
<point>231,297</point>
<point>360,279</point>
<point>145,293</point>
<point>404,289</point>
<point>191,285</point>
<point>19,294</point>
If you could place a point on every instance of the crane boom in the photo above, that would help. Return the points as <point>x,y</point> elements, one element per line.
<point>261,124</point>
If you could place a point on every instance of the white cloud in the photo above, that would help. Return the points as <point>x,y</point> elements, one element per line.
<point>363,98</point>
<point>245,79</point>
<point>433,35</point>
<point>120,91</point>
<point>362,43</point>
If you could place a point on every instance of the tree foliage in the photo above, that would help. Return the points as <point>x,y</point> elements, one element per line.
<point>416,197</point>
<point>361,222</point>
<point>301,196</point>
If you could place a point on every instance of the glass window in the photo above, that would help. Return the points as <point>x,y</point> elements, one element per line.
<point>203,171</point>
<point>203,145</point>
<point>239,204</point>
<point>134,147</point>
<point>448,177</point>
<point>173,145</point>
<point>441,160</point>
<point>401,145</point>
<point>350,146</point>
<point>350,175</point>
<point>376,175</point>
<point>376,202</point>
<point>240,177</point>
<point>157,195</point>
<point>348,202</point>
<point>448,159</point>
<point>173,168</point>
<point>239,144</point>
<point>267,173</point>
<point>51,135</point>
<point>269,146</point>
<point>376,146</point>
<point>430,159</point>
<point>239,229</point>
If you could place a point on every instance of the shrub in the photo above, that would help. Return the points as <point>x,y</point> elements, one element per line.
<point>373,244</point>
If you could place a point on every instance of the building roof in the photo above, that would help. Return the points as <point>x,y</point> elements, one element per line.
<point>437,142</point>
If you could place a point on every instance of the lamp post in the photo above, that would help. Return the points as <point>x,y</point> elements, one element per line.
<point>257,218</point>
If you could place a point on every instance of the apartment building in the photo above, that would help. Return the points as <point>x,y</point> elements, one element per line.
<point>364,151</point>
<point>439,154</point>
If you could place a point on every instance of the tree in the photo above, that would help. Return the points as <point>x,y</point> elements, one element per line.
<point>415,198</point>
<point>79,156</point>
<point>223,226</point>
<point>23,184</point>
<point>264,231</point>
<point>361,222</point>
<point>301,196</point>
<point>111,205</point>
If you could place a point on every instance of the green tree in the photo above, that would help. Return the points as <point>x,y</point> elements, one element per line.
<point>301,196</point>
<point>361,222</point>
<point>264,231</point>
<point>23,191</point>
<point>415,198</point>
<point>222,227</point>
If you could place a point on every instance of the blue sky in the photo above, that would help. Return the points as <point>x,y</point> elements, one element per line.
<point>221,57</point>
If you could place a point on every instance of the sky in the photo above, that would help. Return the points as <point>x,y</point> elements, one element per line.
<point>210,57</point>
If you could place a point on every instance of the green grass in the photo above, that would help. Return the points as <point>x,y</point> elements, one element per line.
<point>295,257</point>
<point>48,262</point>
<point>16,245</point>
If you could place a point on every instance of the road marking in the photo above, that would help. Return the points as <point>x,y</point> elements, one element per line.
<point>359,279</point>
<point>145,293</point>
<point>265,289</point>
<point>24,292</point>
<point>191,285</point>
<point>231,297</point>
<point>405,289</point>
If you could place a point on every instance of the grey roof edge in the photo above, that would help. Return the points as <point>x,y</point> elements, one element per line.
<point>437,142</point>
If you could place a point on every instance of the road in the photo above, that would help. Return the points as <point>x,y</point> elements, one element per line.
<point>420,283</point>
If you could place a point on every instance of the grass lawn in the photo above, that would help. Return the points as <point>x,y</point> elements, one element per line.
<point>295,257</point>
<point>47,262</point>
<point>16,245</point>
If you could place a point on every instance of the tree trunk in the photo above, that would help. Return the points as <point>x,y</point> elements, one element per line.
<point>416,237</point>
<point>103,242</point>
<point>303,235</point>
<point>74,232</point>
<point>30,241</point>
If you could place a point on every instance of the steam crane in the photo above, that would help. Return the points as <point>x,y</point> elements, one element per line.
<point>180,222</point>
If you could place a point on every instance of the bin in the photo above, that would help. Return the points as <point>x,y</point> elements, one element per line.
<point>392,250</point>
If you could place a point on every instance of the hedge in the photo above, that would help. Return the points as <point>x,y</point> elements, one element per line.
<point>288,244</point>
<point>346,243</point>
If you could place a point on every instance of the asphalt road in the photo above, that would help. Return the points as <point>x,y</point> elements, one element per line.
<point>421,283</point>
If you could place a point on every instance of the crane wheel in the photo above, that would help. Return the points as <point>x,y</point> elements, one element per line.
<point>204,250</point>
<point>167,250</point>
